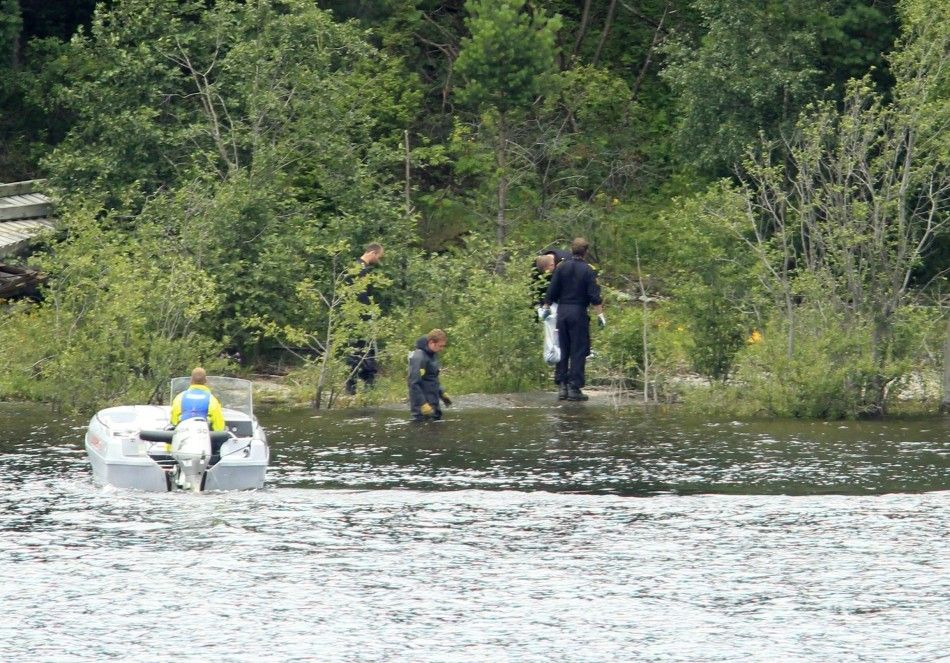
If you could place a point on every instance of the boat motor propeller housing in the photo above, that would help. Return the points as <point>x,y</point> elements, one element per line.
<point>191,449</point>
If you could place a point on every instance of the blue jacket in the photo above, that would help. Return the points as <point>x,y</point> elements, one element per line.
<point>197,402</point>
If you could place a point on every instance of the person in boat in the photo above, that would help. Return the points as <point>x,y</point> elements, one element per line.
<point>574,288</point>
<point>425,391</point>
<point>197,402</point>
<point>362,357</point>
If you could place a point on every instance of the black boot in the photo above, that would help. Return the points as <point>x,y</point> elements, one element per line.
<point>575,394</point>
<point>562,391</point>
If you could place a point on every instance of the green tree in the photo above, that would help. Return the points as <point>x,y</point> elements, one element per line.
<point>246,144</point>
<point>115,322</point>
<point>751,70</point>
<point>864,196</point>
<point>11,24</point>
<point>752,67</point>
<point>506,64</point>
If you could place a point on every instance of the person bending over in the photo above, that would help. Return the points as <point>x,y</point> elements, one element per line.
<point>362,360</point>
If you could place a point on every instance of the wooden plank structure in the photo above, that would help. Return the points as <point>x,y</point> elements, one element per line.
<point>24,212</point>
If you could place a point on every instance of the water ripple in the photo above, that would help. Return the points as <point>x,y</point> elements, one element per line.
<point>509,538</point>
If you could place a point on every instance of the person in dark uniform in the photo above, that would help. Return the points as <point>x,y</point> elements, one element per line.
<point>425,390</point>
<point>574,288</point>
<point>545,264</point>
<point>362,357</point>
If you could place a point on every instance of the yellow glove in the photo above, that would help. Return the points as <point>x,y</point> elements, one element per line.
<point>426,409</point>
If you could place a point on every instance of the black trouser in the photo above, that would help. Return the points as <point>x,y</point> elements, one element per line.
<point>573,335</point>
<point>362,363</point>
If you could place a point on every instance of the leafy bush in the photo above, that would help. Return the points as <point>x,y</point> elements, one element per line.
<point>116,322</point>
<point>495,343</point>
<point>714,285</point>
<point>618,348</point>
<point>829,374</point>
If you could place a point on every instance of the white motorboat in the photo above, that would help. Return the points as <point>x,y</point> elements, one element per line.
<point>133,446</point>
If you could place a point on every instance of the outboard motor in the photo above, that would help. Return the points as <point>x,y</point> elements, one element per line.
<point>191,449</point>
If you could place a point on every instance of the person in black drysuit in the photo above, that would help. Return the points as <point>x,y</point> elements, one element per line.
<point>574,287</point>
<point>362,356</point>
<point>425,391</point>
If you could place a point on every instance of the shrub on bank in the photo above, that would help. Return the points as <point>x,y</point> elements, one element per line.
<point>115,325</point>
<point>819,365</point>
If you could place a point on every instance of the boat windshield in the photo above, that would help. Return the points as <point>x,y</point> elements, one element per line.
<point>234,393</point>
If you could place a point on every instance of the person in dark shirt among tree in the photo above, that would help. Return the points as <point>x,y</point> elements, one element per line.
<point>362,358</point>
<point>544,265</point>
<point>573,288</point>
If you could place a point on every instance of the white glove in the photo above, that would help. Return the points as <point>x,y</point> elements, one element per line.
<point>601,320</point>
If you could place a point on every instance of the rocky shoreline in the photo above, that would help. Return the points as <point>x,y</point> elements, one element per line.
<point>272,392</point>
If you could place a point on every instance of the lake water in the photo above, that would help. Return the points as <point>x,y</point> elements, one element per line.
<point>531,533</point>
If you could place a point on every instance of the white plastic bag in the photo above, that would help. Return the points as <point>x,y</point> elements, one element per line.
<point>552,349</point>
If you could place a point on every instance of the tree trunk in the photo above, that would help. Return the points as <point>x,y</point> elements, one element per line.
<point>606,31</point>
<point>501,220</point>
<point>646,336</point>
<point>408,189</point>
<point>879,384</point>
<point>945,401</point>
<point>324,364</point>
<point>582,28</point>
<point>657,35</point>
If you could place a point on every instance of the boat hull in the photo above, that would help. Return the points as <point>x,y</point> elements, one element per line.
<point>137,474</point>
<point>120,458</point>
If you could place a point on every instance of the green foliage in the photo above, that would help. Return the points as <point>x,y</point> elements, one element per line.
<point>326,316</point>
<point>845,214</point>
<point>495,344</point>
<point>752,69</point>
<point>273,92</point>
<point>854,37</point>
<point>261,149</point>
<point>713,280</point>
<point>25,124</point>
<point>619,347</point>
<point>115,321</point>
<point>11,22</point>
<point>718,330</point>
<point>506,65</point>
<point>923,77</point>
<point>219,165</point>
<point>508,61</point>
<point>588,153</point>
<point>830,374</point>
